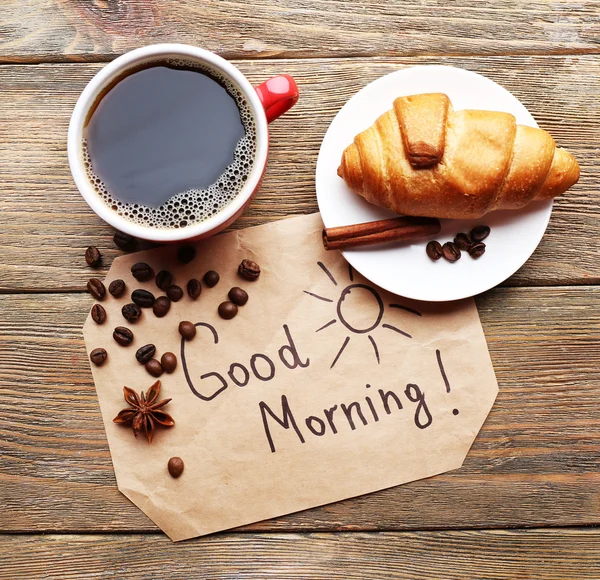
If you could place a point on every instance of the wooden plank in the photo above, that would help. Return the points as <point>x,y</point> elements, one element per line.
<point>85,30</point>
<point>485,555</point>
<point>535,462</point>
<point>46,225</point>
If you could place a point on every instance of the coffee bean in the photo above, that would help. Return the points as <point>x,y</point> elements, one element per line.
<point>194,288</point>
<point>154,368</point>
<point>238,296</point>
<point>168,362</point>
<point>98,314</point>
<point>163,279</point>
<point>476,250</point>
<point>462,241</point>
<point>175,467</point>
<point>93,257</point>
<point>117,287</point>
<point>450,252</point>
<point>211,278</point>
<point>143,298</point>
<point>123,336</point>
<point>186,254</point>
<point>96,288</point>
<point>131,312</point>
<point>145,353</point>
<point>125,241</point>
<point>161,306</point>
<point>175,293</point>
<point>479,233</point>
<point>142,271</point>
<point>227,310</point>
<point>249,270</point>
<point>434,250</point>
<point>98,356</point>
<point>187,330</point>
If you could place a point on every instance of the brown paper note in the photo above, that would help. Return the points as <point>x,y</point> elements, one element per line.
<point>322,388</point>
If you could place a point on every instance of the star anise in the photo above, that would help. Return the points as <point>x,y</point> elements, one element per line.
<point>144,414</point>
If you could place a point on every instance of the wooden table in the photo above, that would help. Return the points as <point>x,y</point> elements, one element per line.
<point>526,501</point>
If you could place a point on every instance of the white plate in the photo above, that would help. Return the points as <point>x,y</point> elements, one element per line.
<point>405,269</point>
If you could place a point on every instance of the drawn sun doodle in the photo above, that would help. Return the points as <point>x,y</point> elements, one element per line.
<point>348,320</point>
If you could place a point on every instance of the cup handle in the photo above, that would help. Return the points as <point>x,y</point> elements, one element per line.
<point>277,95</point>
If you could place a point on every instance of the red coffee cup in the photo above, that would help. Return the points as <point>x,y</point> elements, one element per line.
<point>267,102</point>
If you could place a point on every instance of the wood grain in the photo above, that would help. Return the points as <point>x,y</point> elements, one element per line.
<point>485,555</point>
<point>101,29</point>
<point>46,225</point>
<point>535,463</point>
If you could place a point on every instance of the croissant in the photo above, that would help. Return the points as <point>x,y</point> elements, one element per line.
<point>423,159</point>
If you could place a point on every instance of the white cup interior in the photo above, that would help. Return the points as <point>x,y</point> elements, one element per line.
<point>118,68</point>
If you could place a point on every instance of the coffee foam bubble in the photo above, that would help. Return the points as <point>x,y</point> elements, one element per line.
<point>194,205</point>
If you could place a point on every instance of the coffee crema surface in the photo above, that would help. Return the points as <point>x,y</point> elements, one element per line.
<point>170,145</point>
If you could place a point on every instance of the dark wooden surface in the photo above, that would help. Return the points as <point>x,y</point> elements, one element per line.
<point>92,30</point>
<point>536,462</point>
<point>482,555</point>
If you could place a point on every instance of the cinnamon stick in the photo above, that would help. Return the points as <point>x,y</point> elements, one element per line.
<point>379,232</point>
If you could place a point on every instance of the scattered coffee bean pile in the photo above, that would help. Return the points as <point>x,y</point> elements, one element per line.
<point>145,356</point>
<point>227,310</point>
<point>238,296</point>
<point>93,257</point>
<point>123,336</point>
<point>145,353</point>
<point>96,288</point>
<point>175,293</point>
<point>143,299</point>
<point>175,467</point>
<point>472,243</point>
<point>163,279</point>
<point>125,242</point>
<point>131,312</point>
<point>154,368</point>
<point>116,288</point>
<point>194,289</point>
<point>98,314</point>
<point>98,356</point>
<point>168,362</point>
<point>186,254</point>
<point>161,306</point>
<point>211,278</point>
<point>142,271</point>
<point>249,270</point>
<point>187,329</point>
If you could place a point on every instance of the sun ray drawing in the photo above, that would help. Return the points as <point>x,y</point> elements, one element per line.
<point>318,297</point>
<point>344,315</point>
<point>406,309</point>
<point>326,325</point>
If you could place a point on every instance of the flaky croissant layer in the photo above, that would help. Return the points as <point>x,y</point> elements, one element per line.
<point>423,159</point>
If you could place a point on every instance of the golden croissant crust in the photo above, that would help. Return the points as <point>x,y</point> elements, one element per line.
<point>422,158</point>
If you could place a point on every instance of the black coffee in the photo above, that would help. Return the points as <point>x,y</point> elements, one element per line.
<point>170,145</point>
